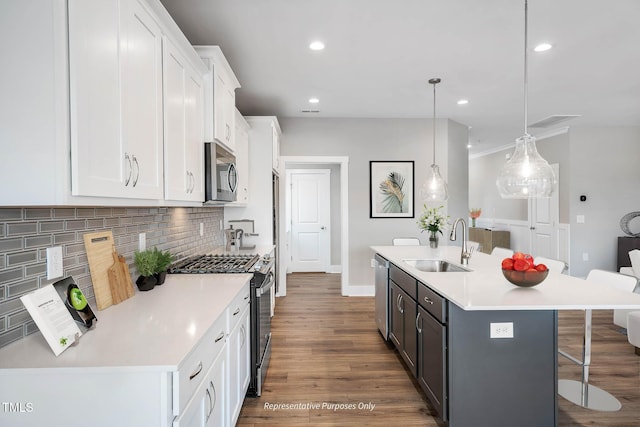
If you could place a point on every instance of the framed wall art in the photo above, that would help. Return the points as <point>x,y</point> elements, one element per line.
<point>391,188</point>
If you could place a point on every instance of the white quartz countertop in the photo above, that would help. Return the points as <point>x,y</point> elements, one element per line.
<point>155,330</point>
<point>485,288</point>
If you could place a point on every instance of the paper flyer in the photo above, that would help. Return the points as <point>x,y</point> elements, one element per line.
<point>52,318</point>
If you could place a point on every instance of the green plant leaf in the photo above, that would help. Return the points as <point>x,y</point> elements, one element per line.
<point>393,194</point>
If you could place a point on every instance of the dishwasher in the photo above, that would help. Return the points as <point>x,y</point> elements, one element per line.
<point>382,295</point>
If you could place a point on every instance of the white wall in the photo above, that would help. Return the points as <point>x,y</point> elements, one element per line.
<point>605,166</point>
<point>363,140</point>
<point>601,163</point>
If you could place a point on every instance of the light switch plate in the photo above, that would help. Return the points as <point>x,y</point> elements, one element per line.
<point>142,242</point>
<point>54,262</point>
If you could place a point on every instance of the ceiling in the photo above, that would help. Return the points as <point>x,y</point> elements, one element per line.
<point>380,55</point>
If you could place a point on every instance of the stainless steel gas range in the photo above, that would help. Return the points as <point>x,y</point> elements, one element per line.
<point>260,302</point>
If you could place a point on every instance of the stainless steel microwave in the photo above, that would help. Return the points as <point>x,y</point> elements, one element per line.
<point>220,174</point>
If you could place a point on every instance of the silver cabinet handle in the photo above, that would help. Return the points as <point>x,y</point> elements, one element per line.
<point>243,330</point>
<point>418,328</point>
<point>235,313</point>
<point>427,300</point>
<point>228,134</point>
<point>220,337</point>
<point>402,304</point>
<point>215,397</point>
<point>193,182</point>
<point>128,159</point>
<point>135,160</point>
<point>188,182</point>
<point>196,372</point>
<point>210,405</point>
<point>398,302</point>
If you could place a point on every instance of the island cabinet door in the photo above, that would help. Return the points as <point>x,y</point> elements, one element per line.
<point>409,350</point>
<point>396,324</point>
<point>432,351</point>
<point>502,381</point>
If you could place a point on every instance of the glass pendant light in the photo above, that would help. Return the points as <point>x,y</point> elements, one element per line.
<point>434,188</point>
<point>526,174</point>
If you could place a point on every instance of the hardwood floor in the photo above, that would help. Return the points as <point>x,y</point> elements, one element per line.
<point>331,367</point>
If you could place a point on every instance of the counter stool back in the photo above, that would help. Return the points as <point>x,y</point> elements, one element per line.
<point>406,241</point>
<point>502,252</point>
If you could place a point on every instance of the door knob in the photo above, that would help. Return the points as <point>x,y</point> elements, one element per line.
<point>323,228</point>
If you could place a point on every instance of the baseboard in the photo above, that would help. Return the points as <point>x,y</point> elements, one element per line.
<point>335,269</point>
<point>361,291</point>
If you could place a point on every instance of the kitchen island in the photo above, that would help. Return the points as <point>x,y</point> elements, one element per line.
<point>483,350</point>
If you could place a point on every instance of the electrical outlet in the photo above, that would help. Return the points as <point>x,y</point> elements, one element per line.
<point>585,256</point>
<point>580,219</point>
<point>142,241</point>
<point>221,225</point>
<point>373,263</point>
<point>502,330</point>
<point>201,229</point>
<point>54,262</point>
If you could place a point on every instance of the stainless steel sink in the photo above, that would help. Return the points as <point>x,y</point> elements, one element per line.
<point>435,265</point>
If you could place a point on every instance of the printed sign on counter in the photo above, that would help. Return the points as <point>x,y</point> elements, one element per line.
<point>52,318</point>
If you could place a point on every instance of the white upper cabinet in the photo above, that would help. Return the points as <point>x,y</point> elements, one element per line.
<point>183,127</point>
<point>115,70</point>
<point>242,161</point>
<point>275,142</point>
<point>86,126</point>
<point>220,98</point>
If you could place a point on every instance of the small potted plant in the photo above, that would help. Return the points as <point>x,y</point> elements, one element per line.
<point>474,214</point>
<point>163,260</point>
<point>146,264</point>
<point>434,222</point>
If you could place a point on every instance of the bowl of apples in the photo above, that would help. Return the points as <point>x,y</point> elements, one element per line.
<point>521,270</point>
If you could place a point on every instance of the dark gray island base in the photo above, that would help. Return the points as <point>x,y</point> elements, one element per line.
<point>471,379</point>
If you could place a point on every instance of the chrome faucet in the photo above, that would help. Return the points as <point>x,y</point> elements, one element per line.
<point>465,254</point>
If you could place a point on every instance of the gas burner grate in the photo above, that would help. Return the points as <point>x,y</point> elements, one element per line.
<point>214,264</point>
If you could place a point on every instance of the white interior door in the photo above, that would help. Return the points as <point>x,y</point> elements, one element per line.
<point>544,217</point>
<point>310,219</point>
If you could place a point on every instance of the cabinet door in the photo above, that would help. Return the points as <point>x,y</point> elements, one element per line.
<point>216,395</point>
<point>275,140</point>
<point>183,127</point>
<point>431,360</point>
<point>224,110</point>
<point>409,350</point>
<point>141,99</point>
<point>239,360</point>
<point>396,320</point>
<point>97,155</point>
<point>242,163</point>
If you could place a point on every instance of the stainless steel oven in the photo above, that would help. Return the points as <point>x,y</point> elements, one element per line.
<point>261,324</point>
<point>260,302</point>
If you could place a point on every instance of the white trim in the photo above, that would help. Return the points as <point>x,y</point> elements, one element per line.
<point>361,291</point>
<point>343,161</point>
<point>335,269</point>
<point>544,135</point>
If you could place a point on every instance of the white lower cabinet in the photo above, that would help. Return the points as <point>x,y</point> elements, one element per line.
<point>207,407</point>
<point>239,361</point>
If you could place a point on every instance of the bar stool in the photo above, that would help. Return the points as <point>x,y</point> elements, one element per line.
<point>502,252</point>
<point>406,241</point>
<point>581,392</point>
<point>552,264</point>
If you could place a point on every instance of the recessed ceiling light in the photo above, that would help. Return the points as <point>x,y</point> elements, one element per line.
<point>313,100</point>
<point>463,102</point>
<point>542,47</point>
<point>317,45</point>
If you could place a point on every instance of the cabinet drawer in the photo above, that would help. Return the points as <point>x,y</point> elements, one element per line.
<point>193,369</point>
<point>432,302</point>
<point>239,304</point>
<point>403,280</point>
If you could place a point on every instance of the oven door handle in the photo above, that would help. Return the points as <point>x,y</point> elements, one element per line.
<point>266,287</point>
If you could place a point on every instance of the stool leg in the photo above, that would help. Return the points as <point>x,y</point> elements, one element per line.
<point>586,357</point>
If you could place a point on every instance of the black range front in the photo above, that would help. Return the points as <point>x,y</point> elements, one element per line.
<point>260,303</point>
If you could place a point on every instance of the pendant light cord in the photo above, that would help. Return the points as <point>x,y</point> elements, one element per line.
<point>434,82</point>
<point>526,79</point>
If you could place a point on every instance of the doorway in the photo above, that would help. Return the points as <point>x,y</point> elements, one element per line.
<point>309,190</point>
<point>544,219</point>
<point>339,222</point>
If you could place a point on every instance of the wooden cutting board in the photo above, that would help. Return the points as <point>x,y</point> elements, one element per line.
<point>120,279</point>
<point>99,246</point>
